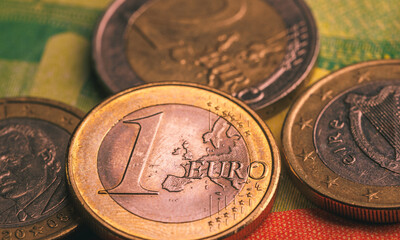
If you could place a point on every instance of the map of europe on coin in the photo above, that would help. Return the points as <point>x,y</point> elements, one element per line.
<point>189,162</point>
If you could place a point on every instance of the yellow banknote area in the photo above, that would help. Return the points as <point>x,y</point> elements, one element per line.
<point>275,123</point>
<point>85,3</point>
<point>376,20</point>
<point>63,69</point>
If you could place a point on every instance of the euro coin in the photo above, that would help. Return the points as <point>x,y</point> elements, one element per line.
<point>173,161</point>
<point>339,140</point>
<point>34,135</point>
<point>256,50</point>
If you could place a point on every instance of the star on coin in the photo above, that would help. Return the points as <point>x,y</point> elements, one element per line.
<point>36,230</point>
<point>362,77</point>
<point>305,156</point>
<point>232,116</point>
<point>324,95</point>
<point>330,182</point>
<point>371,195</point>
<point>304,123</point>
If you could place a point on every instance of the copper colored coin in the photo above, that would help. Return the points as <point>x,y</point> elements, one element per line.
<point>341,143</point>
<point>34,135</point>
<point>173,161</point>
<point>256,50</point>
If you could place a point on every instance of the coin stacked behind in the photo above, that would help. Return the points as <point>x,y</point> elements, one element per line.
<point>256,50</point>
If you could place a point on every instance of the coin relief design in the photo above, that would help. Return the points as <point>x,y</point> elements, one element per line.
<point>256,50</point>
<point>361,142</point>
<point>223,44</point>
<point>31,171</point>
<point>198,168</point>
<point>34,135</point>
<point>189,162</point>
<point>341,145</point>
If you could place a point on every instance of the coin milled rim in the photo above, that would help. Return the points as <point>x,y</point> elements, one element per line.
<point>271,92</point>
<point>130,101</point>
<point>67,118</point>
<point>314,178</point>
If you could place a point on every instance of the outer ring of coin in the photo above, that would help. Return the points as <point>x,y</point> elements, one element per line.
<point>65,220</point>
<point>110,220</point>
<point>111,63</point>
<point>321,185</point>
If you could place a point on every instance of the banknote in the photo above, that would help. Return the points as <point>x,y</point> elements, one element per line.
<point>45,50</point>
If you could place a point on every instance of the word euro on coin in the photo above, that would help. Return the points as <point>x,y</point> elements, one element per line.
<point>256,50</point>
<point>341,141</point>
<point>187,162</point>
<point>34,135</point>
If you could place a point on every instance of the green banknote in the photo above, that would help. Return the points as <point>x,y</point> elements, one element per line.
<point>355,31</point>
<point>45,51</point>
<point>350,32</point>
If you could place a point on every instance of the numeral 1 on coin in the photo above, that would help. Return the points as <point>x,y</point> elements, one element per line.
<point>131,178</point>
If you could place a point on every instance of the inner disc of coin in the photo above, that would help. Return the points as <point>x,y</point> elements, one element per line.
<point>357,134</point>
<point>227,44</point>
<point>32,170</point>
<point>173,163</point>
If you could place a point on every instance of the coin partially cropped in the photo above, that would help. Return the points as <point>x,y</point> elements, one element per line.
<point>173,161</point>
<point>256,50</point>
<point>34,135</point>
<point>340,140</point>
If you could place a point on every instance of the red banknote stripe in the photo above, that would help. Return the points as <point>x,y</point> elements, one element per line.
<point>319,224</point>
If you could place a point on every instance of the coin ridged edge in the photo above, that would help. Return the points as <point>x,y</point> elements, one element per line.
<point>111,87</point>
<point>252,220</point>
<point>364,212</point>
<point>314,56</point>
<point>71,228</point>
